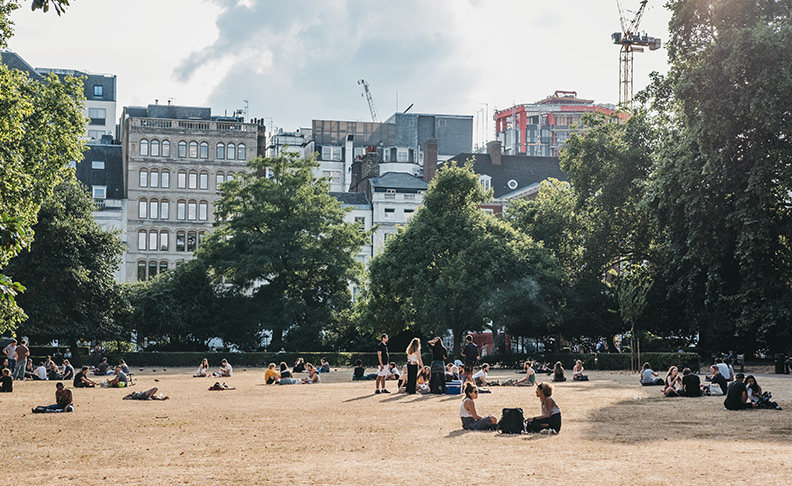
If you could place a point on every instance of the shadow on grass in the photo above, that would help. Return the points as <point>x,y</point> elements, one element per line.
<point>658,419</point>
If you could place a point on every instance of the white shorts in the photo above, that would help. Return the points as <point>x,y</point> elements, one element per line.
<point>383,371</point>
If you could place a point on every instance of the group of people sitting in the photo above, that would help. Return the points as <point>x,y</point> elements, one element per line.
<point>282,375</point>
<point>225,370</point>
<point>548,421</point>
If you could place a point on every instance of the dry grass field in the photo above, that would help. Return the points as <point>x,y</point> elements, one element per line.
<point>340,432</point>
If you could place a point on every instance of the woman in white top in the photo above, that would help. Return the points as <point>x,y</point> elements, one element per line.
<point>577,372</point>
<point>550,419</point>
<point>413,363</point>
<point>203,368</point>
<point>467,412</point>
<point>313,376</point>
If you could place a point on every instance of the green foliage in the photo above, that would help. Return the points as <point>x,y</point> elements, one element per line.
<point>285,250</point>
<point>68,271</point>
<point>58,5</point>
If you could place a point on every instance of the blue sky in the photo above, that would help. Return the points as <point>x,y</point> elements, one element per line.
<point>298,60</point>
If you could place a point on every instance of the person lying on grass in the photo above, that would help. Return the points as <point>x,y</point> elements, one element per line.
<point>150,394</point>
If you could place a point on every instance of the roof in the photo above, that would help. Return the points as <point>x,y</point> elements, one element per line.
<point>111,176</point>
<point>351,198</point>
<point>398,180</point>
<point>522,169</point>
<point>13,61</point>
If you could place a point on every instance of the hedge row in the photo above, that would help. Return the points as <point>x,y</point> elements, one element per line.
<point>607,361</point>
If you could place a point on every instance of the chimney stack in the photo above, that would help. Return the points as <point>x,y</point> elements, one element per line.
<point>494,152</point>
<point>430,159</point>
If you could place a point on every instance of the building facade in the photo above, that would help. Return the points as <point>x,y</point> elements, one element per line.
<point>175,159</point>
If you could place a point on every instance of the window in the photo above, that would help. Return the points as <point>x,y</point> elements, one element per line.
<point>155,146</point>
<point>192,180</point>
<point>231,151</point>
<point>153,239</point>
<point>180,241</point>
<point>336,155</point>
<point>163,266</point>
<point>192,210</point>
<point>165,148</point>
<point>95,134</point>
<point>203,211</point>
<point>164,241</point>
<point>204,150</point>
<point>144,146</point>
<point>241,152</point>
<point>165,180</point>
<point>486,182</point>
<point>219,179</point>
<point>201,235</point>
<point>203,180</point>
<point>142,209</point>
<point>192,239</point>
<point>408,213</point>
<point>181,180</point>
<point>99,192</point>
<point>141,273</point>
<point>402,155</point>
<point>193,150</point>
<point>390,213</point>
<point>98,90</point>
<point>441,123</point>
<point>360,152</point>
<point>360,221</point>
<point>141,240</point>
<point>154,209</point>
<point>390,194</point>
<point>143,178</point>
<point>154,178</point>
<point>97,116</point>
<point>152,267</point>
<point>220,151</point>
<point>182,149</point>
<point>334,176</point>
<point>229,177</point>
<point>164,209</point>
<point>409,197</point>
<point>181,208</point>
<point>98,165</point>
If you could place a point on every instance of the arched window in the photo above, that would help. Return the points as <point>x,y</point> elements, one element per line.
<point>203,211</point>
<point>141,271</point>
<point>164,209</point>
<point>144,147</point>
<point>181,244</point>
<point>154,178</point>
<point>165,179</point>
<point>181,210</point>
<point>201,235</point>
<point>192,240</point>
<point>165,148</point>
<point>143,178</point>
<point>242,151</point>
<point>154,209</point>
<point>192,210</point>
<point>181,179</point>
<point>141,240</point>
<point>229,177</point>
<point>219,179</point>
<point>192,180</point>
<point>182,149</point>
<point>231,151</point>
<point>164,243</point>
<point>193,150</point>
<point>204,150</point>
<point>163,266</point>
<point>155,145</point>
<point>203,180</point>
<point>152,266</point>
<point>142,209</point>
<point>220,151</point>
<point>153,239</point>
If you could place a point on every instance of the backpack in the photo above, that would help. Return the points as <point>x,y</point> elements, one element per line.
<point>512,421</point>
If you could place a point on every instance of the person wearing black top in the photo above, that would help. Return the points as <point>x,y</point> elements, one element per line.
<point>471,354</point>
<point>736,395</point>
<point>382,364</point>
<point>6,382</point>
<point>691,384</point>
<point>439,355</point>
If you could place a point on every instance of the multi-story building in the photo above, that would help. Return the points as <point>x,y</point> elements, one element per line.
<point>175,159</point>
<point>541,128</point>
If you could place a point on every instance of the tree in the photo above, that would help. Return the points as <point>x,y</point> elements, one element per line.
<point>68,271</point>
<point>286,248</point>
<point>454,267</point>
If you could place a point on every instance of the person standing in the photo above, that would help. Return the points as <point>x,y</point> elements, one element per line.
<point>413,363</point>
<point>382,361</point>
<point>10,352</point>
<point>22,352</point>
<point>471,354</point>
<point>439,355</point>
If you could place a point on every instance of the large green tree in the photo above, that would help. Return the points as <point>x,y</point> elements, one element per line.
<point>68,271</point>
<point>456,268</point>
<point>284,245</point>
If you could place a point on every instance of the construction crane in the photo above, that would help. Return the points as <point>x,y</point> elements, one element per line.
<point>631,40</point>
<point>367,94</point>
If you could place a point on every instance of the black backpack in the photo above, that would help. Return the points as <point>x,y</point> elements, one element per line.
<point>512,421</point>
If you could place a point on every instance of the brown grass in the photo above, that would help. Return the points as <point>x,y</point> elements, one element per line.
<point>340,432</point>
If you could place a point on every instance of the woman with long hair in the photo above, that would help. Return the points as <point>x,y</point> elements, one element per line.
<point>413,363</point>
<point>673,382</point>
<point>471,420</point>
<point>203,369</point>
<point>439,355</point>
<point>558,372</point>
<point>550,419</point>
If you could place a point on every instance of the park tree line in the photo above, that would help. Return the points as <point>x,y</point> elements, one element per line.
<point>674,223</point>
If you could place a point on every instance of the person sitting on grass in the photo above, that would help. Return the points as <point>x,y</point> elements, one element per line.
<point>755,395</point>
<point>530,376</point>
<point>150,394</point>
<point>691,384</point>
<point>124,367</point>
<point>672,382</point>
<point>203,369</point>
<point>558,372</point>
<point>103,368</point>
<point>40,372</point>
<point>6,382</point>
<point>324,366</point>
<point>271,375</point>
<point>299,366</point>
<point>423,379</point>
<point>480,377</point>
<point>313,375</point>
<point>68,370</point>
<point>359,374</point>
<point>736,395</point>
<point>577,372</point>
<point>63,401</point>
<point>649,377</point>
<point>719,381</point>
<point>550,419</point>
<point>120,380</point>
<point>393,372</point>
<point>225,369</point>
<point>81,379</point>
<point>471,420</point>
<point>452,372</point>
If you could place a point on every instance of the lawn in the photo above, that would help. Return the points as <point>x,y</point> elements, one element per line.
<point>340,432</point>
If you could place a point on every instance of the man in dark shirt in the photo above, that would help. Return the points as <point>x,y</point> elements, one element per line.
<point>382,362</point>
<point>691,384</point>
<point>81,379</point>
<point>471,354</point>
<point>736,396</point>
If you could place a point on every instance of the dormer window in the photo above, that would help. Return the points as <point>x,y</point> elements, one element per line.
<point>486,182</point>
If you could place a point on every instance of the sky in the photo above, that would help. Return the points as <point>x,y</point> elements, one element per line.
<point>299,60</point>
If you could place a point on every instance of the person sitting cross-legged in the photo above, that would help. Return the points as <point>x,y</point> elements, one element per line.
<point>81,379</point>
<point>120,379</point>
<point>63,401</point>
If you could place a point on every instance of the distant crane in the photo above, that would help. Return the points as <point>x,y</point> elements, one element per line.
<point>631,41</point>
<point>370,100</point>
